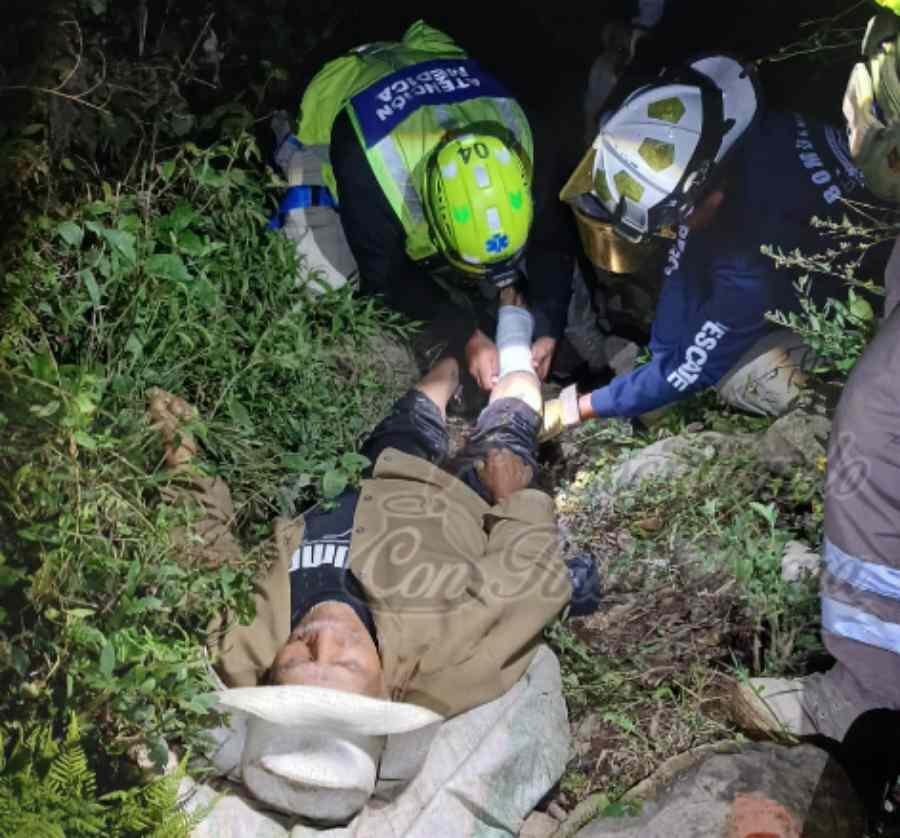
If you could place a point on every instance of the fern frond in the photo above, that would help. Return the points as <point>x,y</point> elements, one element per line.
<point>70,774</point>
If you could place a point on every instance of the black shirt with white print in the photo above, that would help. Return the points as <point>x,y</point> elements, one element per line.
<point>319,567</point>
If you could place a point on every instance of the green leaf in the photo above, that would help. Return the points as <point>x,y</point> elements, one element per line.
<point>295,462</point>
<point>191,243</point>
<point>121,242</point>
<point>333,483</point>
<point>768,512</point>
<point>353,462</point>
<point>167,169</point>
<point>239,413</point>
<point>87,277</point>
<point>70,233</point>
<point>107,659</point>
<point>179,218</point>
<point>203,703</point>
<point>168,266</point>
<point>85,404</point>
<point>43,367</point>
<point>134,571</point>
<point>205,293</point>
<point>85,440</point>
<point>134,346</point>
<point>45,410</point>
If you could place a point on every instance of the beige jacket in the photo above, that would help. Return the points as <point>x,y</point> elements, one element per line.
<point>460,591</point>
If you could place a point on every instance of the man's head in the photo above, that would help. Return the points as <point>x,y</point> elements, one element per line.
<point>314,736</point>
<point>478,203</point>
<point>656,158</point>
<point>330,647</point>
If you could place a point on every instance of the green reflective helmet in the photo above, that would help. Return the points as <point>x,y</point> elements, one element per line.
<point>478,204</point>
<point>893,5</point>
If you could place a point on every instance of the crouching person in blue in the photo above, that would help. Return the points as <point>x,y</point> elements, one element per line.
<point>695,157</point>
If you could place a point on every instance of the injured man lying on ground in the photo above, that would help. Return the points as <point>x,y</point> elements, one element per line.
<point>412,599</point>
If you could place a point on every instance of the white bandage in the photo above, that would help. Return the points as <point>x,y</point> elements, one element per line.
<point>515,326</point>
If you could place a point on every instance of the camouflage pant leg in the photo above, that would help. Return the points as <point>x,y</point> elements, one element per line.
<point>770,376</point>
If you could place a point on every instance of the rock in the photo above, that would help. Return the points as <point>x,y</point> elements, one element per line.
<point>674,457</point>
<point>539,825</point>
<point>149,770</point>
<point>556,811</point>
<point>584,732</point>
<point>394,360</point>
<point>799,562</point>
<point>797,439</point>
<point>762,790</point>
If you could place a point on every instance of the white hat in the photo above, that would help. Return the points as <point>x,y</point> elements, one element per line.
<point>314,751</point>
<point>651,156</point>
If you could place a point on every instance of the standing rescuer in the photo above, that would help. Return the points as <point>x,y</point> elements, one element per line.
<point>430,162</point>
<point>861,573</point>
<point>695,157</point>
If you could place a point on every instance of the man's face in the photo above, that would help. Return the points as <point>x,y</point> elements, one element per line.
<point>330,647</point>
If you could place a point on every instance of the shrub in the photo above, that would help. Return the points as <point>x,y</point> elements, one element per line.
<point>167,279</point>
<point>839,330</point>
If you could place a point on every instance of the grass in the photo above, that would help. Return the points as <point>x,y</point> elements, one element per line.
<point>167,278</point>
<point>694,595</point>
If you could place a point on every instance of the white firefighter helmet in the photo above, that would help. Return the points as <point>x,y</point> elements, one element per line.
<point>652,157</point>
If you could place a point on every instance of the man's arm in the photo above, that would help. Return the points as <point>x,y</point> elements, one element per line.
<point>241,654</point>
<point>209,540</point>
<point>695,341</point>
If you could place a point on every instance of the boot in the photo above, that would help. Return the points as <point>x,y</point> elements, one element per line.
<point>823,703</point>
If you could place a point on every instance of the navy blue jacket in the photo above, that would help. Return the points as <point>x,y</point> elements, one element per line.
<point>718,286</point>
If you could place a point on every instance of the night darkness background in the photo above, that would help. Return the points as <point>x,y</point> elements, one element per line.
<point>540,50</point>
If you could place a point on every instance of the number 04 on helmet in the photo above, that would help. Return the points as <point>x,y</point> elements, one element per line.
<point>478,204</point>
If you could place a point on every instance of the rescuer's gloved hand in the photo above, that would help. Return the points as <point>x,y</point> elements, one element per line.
<point>560,414</point>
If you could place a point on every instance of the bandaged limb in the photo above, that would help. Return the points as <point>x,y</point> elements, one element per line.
<point>515,327</point>
<point>517,379</point>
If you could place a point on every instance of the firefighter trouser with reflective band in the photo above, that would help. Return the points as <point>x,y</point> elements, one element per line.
<point>861,575</point>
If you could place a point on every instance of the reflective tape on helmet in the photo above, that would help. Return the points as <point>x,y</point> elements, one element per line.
<point>628,185</point>
<point>658,155</point>
<point>860,574</point>
<point>850,622</point>
<point>671,109</point>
